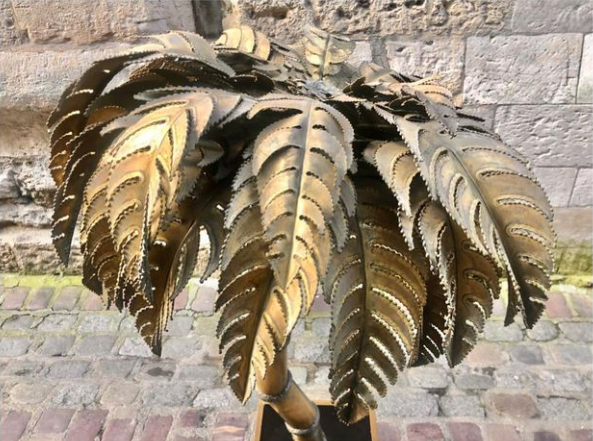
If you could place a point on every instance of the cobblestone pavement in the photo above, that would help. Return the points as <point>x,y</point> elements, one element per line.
<point>71,371</point>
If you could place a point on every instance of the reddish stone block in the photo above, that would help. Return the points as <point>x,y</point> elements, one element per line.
<point>119,430</point>
<point>319,304</point>
<point>230,427</point>
<point>545,435</point>
<point>13,425</point>
<point>582,305</point>
<point>465,432</point>
<point>581,435</point>
<point>205,300</point>
<point>513,405</point>
<point>181,300</point>
<point>424,432</point>
<point>13,298</point>
<point>40,299</point>
<point>189,438</point>
<point>192,418</point>
<point>86,425</point>
<point>486,354</point>
<point>54,421</point>
<point>67,298</point>
<point>506,432</point>
<point>388,431</point>
<point>157,428</point>
<point>556,306</point>
<point>93,303</point>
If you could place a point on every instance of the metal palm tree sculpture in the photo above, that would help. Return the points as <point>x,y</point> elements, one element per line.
<point>304,172</point>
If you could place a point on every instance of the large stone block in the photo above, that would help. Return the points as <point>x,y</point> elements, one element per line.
<point>545,16</point>
<point>558,183</point>
<point>35,80</point>
<point>522,69</point>
<point>574,225</point>
<point>581,194</point>
<point>585,90</point>
<point>83,22</point>
<point>441,56</point>
<point>28,178</point>
<point>552,136</point>
<point>360,18</point>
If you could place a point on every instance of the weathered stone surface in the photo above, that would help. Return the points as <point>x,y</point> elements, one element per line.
<point>462,406</point>
<point>574,225</point>
<point>557,182</point>
<point>58,21</point>
<point>563,409</point>
<point>585,90</point>
<point>73,395</point>
<point>29,393</point>
<point>521,69</point>
<point>25,214</point>
<point>30,250</point>
<point>363,52</point>
<point>170,395</point>
<point>581,194</point>
<point>440,56</point>
<point>286,19</point>
<point>553,136</point>
<point>546,16</point>
<point>36,80</point>
<point>8,187</point>
<point>403,403</point>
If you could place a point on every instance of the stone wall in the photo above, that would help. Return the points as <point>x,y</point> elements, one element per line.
<point>525,65</point>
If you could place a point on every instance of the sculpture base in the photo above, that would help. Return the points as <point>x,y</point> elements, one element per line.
<point>270,427</point>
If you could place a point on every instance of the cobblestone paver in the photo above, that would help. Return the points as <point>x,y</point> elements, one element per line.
<point>71,371</point>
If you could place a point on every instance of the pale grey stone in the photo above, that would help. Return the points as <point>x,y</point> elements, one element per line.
<point>514,376</point>
<point>405,403</point>
<point>462,406</point>
<point>520,69</point>
<point>557,182</point>
<point>285,19</point>
<point>496,331</point>
<point>119,369</point>
<point>120,394</point>
<point>428,377</point>
<point>75,394</point>
<point>585,90</point>
<point>214,399</point>
<point>57,323</point>
<point>26,214</point>
<point>299,374</point>
<point>310,348</point>
<point>8,187</point>
<point>544,330</point>
<point>577,331</point>
<point>561,380</point>
<point>563,409</point>
<point>14,346</point>
<point>203,376</point>
<point>551,136</point>
<point>68,369</point>
<point>181,347</point>
<point>135,347</point>
<point>18,321</point>
<point>156,371</point>
<point>363,52</point>
<point>547,16</point>
<point>473,381</point>
<point>56,345</point>
<point>441,56</point>
<point>180,326</point>
<point>30,393</point>
<point>170,395</point>
<point>95,345</point>
<point>99,322</point>
<point>582,195</point>
<point>56,21</point>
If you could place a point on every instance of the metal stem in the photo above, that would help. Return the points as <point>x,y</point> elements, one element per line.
<point>299,413</point>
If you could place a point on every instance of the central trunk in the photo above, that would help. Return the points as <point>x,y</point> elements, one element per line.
<point>299,413</point>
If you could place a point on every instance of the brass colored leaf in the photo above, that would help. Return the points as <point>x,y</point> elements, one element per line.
<point>246,40</point>
<point>257,315</point>
<point>325,53</point>
<point>491,193</point>
<point>300,162</point>
<point>378,290</point>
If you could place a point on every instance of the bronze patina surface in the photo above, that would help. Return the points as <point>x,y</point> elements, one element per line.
<point>304,172</point>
